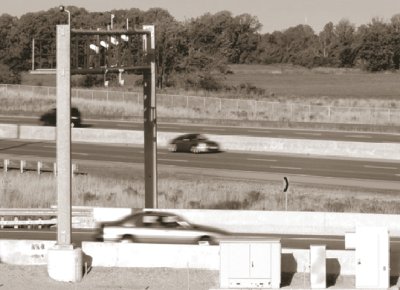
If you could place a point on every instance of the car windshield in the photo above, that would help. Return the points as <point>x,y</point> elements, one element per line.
<point>200,137</point>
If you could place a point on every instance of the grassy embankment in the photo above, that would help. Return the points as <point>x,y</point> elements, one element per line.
<point>125,188</point>
<point>282,84</point>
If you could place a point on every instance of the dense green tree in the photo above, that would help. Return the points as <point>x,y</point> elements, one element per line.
<point>376,49</point>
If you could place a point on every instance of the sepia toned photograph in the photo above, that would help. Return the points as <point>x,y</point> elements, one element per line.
<point>199,145</point>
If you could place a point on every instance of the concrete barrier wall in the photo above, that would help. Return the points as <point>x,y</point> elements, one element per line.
<point>24,252</point>
<point>96,254</point>
<point>227,142</point>
<point>152,255</point>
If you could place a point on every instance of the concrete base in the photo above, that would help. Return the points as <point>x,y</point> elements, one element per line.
<point>64,263</point>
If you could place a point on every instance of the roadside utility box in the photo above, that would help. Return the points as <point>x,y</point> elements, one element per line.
<point>250,263</point>
<point>372,247</point>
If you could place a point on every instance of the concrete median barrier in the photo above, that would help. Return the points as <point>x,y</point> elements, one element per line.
<point>24,252</point>
<point>228,142</point>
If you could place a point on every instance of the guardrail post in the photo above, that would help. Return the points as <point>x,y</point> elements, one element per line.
<point>15,220</point>
<point>39,167</point>
<point>2,219</point>
<point>6,163</point>
<point>55,169</point>
<point>39,225</point>
<point>29,226</point>
<point>22,166</point>
<point>74,169</point>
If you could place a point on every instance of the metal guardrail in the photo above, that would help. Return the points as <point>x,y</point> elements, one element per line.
<point>15,217</point>
<point>39,166</point>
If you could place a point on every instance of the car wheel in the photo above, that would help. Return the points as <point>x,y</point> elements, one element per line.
<point>205,240</point>
<point>128,239</point>
<point>194,149</point>
<point>172,147</point>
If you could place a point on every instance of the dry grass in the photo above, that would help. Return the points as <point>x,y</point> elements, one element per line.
<point>102,188</point>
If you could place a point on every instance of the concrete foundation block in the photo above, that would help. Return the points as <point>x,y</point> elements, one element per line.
<point>64,263</point>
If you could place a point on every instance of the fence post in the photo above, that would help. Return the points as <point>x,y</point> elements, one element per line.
<point>291,112</point>
<point>74,169</point>
<point>329,113</point>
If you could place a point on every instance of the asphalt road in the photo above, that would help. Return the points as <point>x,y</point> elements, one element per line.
<point>287,241</point>
<point>78,236</point>
<point>226,130</point>
<point>359,169</point>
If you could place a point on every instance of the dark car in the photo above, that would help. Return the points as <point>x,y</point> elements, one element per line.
<point>159,227</point>
<point>50,118</point>
<point>195,143</point>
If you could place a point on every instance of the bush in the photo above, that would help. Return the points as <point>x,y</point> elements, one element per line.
<point>7,76</point>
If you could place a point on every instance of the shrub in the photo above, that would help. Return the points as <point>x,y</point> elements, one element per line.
<point>7,76</point>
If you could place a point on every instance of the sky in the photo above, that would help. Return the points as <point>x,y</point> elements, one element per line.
<point>272,14</point>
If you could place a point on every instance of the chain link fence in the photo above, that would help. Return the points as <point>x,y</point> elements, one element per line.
<point>225,108</point>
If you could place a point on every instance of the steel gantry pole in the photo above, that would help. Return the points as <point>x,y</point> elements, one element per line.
<point>63,136</point>
<point>150,120</point>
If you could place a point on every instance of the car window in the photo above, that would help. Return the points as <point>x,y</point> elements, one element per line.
<point>201,137</point>
<point>151,221</point>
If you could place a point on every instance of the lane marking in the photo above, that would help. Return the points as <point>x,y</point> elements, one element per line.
<point>308,134</point>
<point>170,127</point>
<point>380,167</point>
<point>261,159</point>
<point>214,129</point>
<point>177,160</point>
<point>358,136</point>
<point>281,167</point>
<point>78,153</point>
<point>125,125</point>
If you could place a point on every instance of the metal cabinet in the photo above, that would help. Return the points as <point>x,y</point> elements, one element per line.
<point>372,246</point>
<point>250,264</point>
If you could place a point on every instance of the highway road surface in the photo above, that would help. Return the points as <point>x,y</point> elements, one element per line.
<point>226,130</point>
<point>287,240</point>
<point>346,168</point>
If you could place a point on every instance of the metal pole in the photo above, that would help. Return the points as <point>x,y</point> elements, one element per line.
<point>150,123</point>
<point>63,135</point>
<point>33,54</point>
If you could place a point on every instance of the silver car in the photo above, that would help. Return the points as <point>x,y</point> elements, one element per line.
<point>159,227</point>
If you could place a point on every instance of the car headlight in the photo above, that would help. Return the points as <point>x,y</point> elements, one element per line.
<point>202,145</point>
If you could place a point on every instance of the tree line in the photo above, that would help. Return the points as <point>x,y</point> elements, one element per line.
<point>195,53</point>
